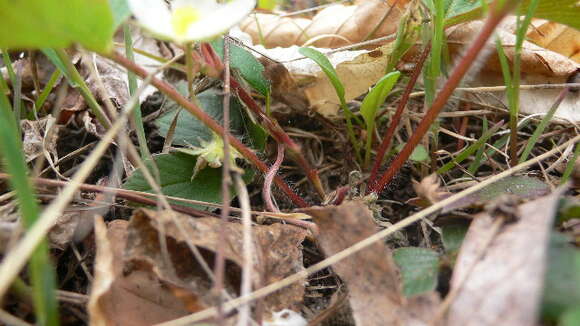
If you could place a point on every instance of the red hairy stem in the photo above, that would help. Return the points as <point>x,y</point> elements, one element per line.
<point>168,90</point>
<point>386,142</point>
<point>496,14</point>
<point>272,126</point>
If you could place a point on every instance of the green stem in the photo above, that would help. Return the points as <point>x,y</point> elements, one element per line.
<point>132,81</point>
<point>47,89</point>
<point>83,88</point>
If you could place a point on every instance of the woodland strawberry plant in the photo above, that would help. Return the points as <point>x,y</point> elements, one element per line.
<point>219,127</point>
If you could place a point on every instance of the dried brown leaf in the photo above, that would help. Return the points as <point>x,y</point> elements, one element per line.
<point>333,26</point>
<point>278,255</point>
<point>370,274</point>
<point>121,298</point>
<point>500,282</point>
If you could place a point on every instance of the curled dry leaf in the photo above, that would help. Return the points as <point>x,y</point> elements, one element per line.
<point>332,27</point>
<point>156,251</point>
<point>372,278</point>
<point>121,298</point>
<point>429,191</point>
<point>491,280</point>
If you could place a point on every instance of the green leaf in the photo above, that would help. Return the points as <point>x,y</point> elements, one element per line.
<point>120,10</point>
<point>562,281</point>
<point>328,69</point>
<point>175,171</point>
<point>419,269</point>
<point>376,97</point>
<point>419,154</point>
<point>189,130</point>
<point>571,317</point>
<point>266,4</point>
<point>453,236</point>
<point>53,57</point>
<point>249,67</point>
<point>56,24</point>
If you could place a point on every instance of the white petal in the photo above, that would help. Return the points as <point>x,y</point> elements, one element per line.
<point>219,21</point>
<point>201,5</point>
<point>154,16</point>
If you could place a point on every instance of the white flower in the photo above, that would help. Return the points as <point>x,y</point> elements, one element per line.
<point>189,20</point>
<point>286,317</point>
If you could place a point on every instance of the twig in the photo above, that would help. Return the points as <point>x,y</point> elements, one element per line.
<point>247,248</point>
<point>220,260</point>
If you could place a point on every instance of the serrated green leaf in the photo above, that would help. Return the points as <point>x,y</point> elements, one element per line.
<point>249,67</point>
<point>419,269</point>
<point>56,24</point>
<point>189,130</point>
<point>328,69</point>
<point>175,171</point>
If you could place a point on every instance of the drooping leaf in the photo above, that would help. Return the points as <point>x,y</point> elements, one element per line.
<point>328,69</point>
<point>419,269</point>
<point>249,67</point>
<point>56,24</point>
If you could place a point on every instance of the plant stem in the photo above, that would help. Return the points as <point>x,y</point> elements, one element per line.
<point>497,13</point>
<point>386,142</point>
<point>209,122</point>
<point>281,137</point>
<point>83,88</point>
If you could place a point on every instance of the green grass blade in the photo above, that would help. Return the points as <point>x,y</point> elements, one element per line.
<point>470,149</point>
<point>570,166</point>
<point>41,272</point>
<point>132,82</point>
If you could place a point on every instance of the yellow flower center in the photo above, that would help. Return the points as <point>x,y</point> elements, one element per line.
<point>182,18</point>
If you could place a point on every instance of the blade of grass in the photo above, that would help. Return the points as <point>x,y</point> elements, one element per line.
<point>40,269</point>
<point>570,166</point>
<point>132,82</point>
<point>480,143</point>
<point>47,89</point>
<point>543,124</point>
<point>63,62</point>
<point>514,92</point>
<point>478,159</point>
